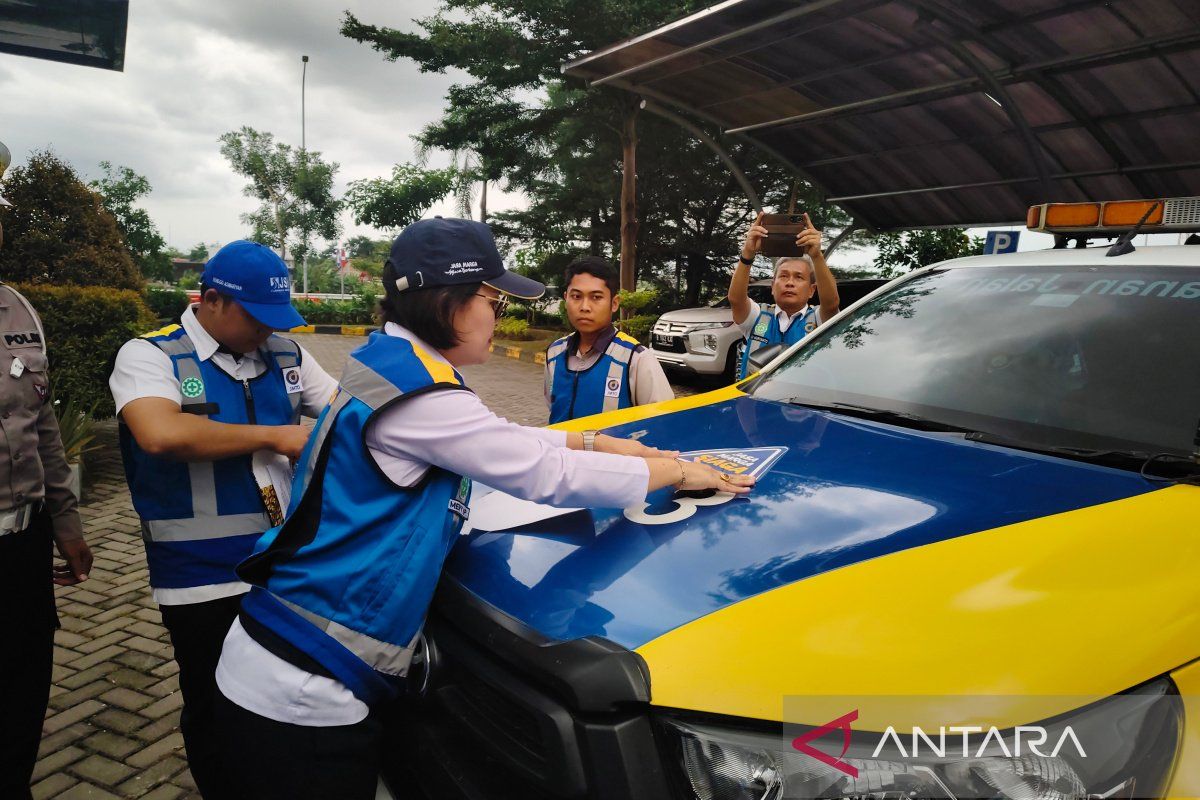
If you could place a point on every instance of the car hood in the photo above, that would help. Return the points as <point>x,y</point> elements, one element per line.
<point>845,492</point>
<point>696,315</point>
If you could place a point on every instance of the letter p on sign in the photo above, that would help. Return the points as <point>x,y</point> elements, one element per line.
<point>1001,242</point>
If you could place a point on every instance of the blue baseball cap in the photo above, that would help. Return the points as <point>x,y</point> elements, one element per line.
<point>255,276</point>
<point>443,252</point>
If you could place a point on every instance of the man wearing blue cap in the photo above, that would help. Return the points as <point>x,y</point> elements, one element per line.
<point>209,410</point>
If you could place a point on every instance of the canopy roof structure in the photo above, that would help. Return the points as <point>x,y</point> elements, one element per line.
<point>927,113</point>
<point>90,33</point>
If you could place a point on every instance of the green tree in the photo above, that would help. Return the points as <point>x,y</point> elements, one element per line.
<point>294,189</point>
<point>119,189</point>
<point>568,148</point>
<point>198,253</point>
<point>59,232</point>
<point>902,251</point>
<point>513,51</point>
<point>391,203</point>
<point>360,246</point>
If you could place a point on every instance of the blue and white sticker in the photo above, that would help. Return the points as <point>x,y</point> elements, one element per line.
<point>291,379</point>
<point>752,461</point>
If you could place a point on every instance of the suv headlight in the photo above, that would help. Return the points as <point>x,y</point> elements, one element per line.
<point>1129,743</point>
<point>698,341</point>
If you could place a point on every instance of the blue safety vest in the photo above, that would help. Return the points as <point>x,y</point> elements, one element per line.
<point>766,331</point>
<point>602,387</point>
<point>200,518</point>
<point>344,584</point>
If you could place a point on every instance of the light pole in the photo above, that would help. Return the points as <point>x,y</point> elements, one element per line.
<point>304,161</point>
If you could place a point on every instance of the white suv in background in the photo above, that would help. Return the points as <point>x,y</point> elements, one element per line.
<point>704,341</point>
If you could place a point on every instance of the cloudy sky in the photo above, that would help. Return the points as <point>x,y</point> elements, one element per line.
<point>194,70</point>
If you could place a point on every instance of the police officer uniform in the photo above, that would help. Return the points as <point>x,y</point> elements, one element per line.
<point>617,373</point>
<point>769,324</point>
<point>37,505</point>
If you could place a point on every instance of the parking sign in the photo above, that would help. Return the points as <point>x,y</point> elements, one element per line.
<point>1001,242</point>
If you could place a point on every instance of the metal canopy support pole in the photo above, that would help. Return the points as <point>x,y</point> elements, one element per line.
<point>726,159</point>
<point>1058,176</point>
<point>801,11</point>
<point>842,236</point>
<point>1033,147</point>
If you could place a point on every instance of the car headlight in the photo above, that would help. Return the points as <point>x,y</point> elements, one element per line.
<point>701,342</point>
<point>704,326</point>
<point>1127,745</point>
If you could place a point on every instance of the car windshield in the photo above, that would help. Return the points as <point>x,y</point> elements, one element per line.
<point>1092,357</point>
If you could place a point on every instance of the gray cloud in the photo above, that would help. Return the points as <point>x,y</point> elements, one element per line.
<point>195,70</point>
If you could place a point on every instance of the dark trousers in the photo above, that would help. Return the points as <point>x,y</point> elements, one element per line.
<point>197,633</point>
<point>27,600</point>
<point>269,760</point>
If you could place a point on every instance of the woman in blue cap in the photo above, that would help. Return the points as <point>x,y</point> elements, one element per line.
<point>341,589</point>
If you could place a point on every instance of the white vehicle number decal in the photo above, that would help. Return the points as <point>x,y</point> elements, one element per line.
<point>685,507</point>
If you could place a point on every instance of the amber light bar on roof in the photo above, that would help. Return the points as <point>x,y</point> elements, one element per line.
<point>1112,217</point>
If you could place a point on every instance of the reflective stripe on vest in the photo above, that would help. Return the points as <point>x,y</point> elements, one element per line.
<point>600,388</point>
<point>766,332</point>
<point>347,579</point>
<point>189,541</point>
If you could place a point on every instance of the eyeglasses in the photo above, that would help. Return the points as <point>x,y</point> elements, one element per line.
<point>498,303</point>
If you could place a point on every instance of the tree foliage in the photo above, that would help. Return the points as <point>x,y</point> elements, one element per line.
<point>391,203</point>
<point>903,251</point>
<point>120,188</point>
<point>59,232</point>
<point>560,143</point>
<point>294,189</point>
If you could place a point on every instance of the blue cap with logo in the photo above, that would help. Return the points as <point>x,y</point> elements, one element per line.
<point>443,252</point>
<point>255,276</point>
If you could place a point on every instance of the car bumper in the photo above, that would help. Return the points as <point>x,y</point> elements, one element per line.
<point>694,363</point>
<point>507,714</point>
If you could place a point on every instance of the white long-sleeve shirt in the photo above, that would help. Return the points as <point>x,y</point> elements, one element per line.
<point>453,430</point>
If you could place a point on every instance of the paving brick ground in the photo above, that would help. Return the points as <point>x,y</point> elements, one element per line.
<point>112,728</point>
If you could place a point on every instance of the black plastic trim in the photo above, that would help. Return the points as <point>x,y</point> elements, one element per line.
<point>589,675</point>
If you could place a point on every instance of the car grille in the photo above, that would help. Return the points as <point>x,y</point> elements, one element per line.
<point>667,337</point>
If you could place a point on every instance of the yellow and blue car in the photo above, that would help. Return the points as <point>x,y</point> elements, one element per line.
<point>977,518</point>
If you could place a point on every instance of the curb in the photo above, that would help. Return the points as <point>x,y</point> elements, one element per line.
<point>519,354</point>
<point>336,330</point>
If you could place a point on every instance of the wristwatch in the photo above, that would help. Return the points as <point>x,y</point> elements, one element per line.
<point>749,262</point>
<point>589,440</point>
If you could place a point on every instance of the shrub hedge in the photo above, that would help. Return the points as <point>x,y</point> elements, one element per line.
<point>638,327</point>
<point>166,303</point>
<point>359,311</point>
<point>85,326</point>
<point>512,328</point>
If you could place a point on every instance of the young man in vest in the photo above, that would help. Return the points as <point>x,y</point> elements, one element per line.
<point>597,368</point>
<point>791,318</point>
<point>208,408</point>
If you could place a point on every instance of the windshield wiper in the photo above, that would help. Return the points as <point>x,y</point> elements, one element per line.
<point>1154,466</point>
<point>901,418</point>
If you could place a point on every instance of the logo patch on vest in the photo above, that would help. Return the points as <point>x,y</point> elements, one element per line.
<point>458,505</point>
<point>612,387</point>
<point>761,328</point>
<point>192,387</point>
<point>291,379</point>
<point>811,324</point>
<point>22,339</point>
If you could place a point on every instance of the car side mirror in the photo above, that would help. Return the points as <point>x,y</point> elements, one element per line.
<point>765,355</point>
